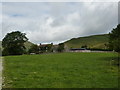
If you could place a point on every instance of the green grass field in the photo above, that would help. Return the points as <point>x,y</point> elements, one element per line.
<point>62,70</point>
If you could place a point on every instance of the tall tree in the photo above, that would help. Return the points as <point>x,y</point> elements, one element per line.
<point>34,49</point>
<point>0,51</point>
<point>60,47</point>
<point>114,40</point>
<point>13,43</point>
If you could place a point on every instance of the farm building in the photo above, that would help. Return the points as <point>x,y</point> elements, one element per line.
<point>46,47</point>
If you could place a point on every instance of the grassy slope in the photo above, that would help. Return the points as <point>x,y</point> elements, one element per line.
<point>28,45</point>
<point>64,70</point>
<point>95,41</point>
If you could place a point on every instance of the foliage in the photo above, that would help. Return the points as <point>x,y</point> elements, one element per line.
<point>62,70</point>
<point>60,47</point>
<point>13,43</point>
<point>114,39</point>
<point>34,49</point>
<point>84,46</point>
<point>43,49</point>
<point>0,51</point>
<point>49,47</point>
<point>46,47</point>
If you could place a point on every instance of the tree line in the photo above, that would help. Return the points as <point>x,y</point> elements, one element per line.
<point>46,48</point>
<point>13,43</point>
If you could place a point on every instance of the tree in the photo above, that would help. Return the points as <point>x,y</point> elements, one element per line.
<point>114,39</point>
<point>49,47</point>
<point>13,43</point>
<point>84,46</point>
<point>60,47</point>
<point>34,49</point>
<point>0,51</point>
<point>106,46</point>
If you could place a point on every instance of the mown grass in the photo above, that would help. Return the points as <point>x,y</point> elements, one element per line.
<point>63,70</point>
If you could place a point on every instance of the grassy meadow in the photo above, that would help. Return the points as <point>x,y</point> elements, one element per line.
<point>61,70</point>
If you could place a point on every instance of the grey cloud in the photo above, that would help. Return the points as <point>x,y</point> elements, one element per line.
<point>57,22</point>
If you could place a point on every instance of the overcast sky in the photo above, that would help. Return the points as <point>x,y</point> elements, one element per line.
<point>46,22</point>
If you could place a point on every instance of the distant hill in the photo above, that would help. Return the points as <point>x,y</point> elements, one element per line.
<point>94,41</point>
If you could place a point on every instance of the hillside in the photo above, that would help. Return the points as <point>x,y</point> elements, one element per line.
<point>28,44</point>
<point>94,41</point>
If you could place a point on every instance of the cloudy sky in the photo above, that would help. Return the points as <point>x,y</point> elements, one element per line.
<point>46,22</point>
